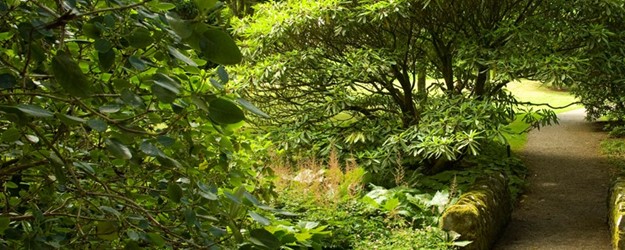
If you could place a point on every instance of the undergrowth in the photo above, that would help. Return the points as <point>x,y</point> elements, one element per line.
<point>358,215</point>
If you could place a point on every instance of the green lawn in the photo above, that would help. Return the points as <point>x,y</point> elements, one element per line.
<point>535,92</point>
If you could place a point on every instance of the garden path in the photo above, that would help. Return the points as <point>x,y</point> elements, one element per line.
<point>565,205</point>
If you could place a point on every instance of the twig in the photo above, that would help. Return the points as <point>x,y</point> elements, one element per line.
<point>113,9</point>
<point>547,104</point>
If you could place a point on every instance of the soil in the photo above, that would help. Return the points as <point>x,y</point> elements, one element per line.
<point>565,205</point>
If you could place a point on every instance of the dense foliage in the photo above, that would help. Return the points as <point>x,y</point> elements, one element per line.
<point>124,123</point>
<point>117,128</point>
<point>423,81</point>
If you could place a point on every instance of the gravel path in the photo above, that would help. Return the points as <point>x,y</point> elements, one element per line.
<point>565,206</point>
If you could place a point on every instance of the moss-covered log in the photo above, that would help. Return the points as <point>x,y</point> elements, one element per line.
<point>617,213</point>
<point>481,213</point>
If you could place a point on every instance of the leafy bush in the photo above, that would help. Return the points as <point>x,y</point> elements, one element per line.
<point>117,128</point>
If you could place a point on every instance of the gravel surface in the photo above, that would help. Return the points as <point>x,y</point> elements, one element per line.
<point>565,206</point>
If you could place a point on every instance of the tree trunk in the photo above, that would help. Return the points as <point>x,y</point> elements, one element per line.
<point>482,79</point>
<point>421,82</point>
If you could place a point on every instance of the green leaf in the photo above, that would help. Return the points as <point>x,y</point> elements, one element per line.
<point>223,75</point>
<point>199,102</point>
<point>97,125</point>
<point>156,239</point>
<point>4,223</point>
<point>110,210</point>
<point>205,5</point>
<point>118,149</point>
<point>150,149</point>
<point>165,88</point>
<point>110,108</point>
<point>68,74</point>
<point>102,45</point>
<point>223,111</point>
<point>166,140</point>
<point>177,54</point>
<point>208,195</point>
<point>140,38</point>
<point>166,82</point>
<point>137,63</point>
<point>7,81</point>
<point>133,235</point>
<point>132,99</point>
<point>259,218</point>
<point>249,106</point>
<point>70,120</point>
<point>218,47</point>
<point>190,217</point>
<point>10,184</point>
<point>391,204</point>
<point>264,238</point>
<point>182,28</point>
<point>4,36</point>
<point>164,95</point>
<point>106,60</point>
<point>34,111</point>
<point>160,6</point>
<point>11,135</point>
<point>84,167</point>
<point>106,230</point>
<point>174,192</point>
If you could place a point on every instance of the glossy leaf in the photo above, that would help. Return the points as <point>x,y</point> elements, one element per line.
<point>177,54</point>
<point>225,112</point>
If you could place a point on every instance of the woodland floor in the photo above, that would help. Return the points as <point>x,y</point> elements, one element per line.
<point>565,205</point>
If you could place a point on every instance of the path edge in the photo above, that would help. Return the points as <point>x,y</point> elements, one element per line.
<point>481,214</point>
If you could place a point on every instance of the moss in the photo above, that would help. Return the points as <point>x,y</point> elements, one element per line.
<point>480,214</point>
<point>617,213</point>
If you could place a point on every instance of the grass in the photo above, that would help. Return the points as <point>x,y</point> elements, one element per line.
<point>535,92</point>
